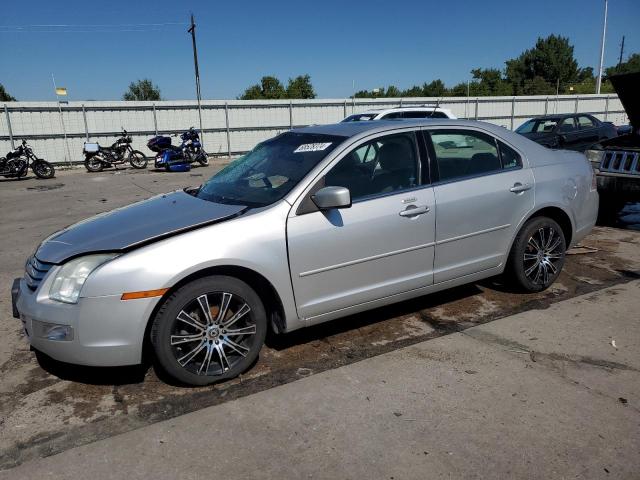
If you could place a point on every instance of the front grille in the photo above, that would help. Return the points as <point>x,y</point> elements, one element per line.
<point>621,162</point>
<point>35,270</point>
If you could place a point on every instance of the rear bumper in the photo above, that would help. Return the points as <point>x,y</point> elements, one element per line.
<point>107,331</point>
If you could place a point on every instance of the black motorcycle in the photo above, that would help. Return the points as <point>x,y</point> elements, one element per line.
<point>17,162</point>
<point>97,158</point>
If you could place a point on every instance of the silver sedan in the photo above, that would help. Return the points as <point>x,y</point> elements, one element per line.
<point>312,225</point>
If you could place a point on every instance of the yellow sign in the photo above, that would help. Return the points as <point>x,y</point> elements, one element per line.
<point>61,91</point>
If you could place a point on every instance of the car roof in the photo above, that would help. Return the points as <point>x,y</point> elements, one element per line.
<point>353,129</point>
<point>413,108</point>
<point>559,116</point>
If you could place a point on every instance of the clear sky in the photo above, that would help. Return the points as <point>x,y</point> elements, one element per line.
<point>374,43</point>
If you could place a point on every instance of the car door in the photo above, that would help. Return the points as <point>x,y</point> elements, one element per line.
<point>382,245</point>
<point>569,135</point>
<point>589,131</point>
<point>482,191</point>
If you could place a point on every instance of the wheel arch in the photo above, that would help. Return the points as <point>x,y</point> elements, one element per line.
<point>560,216</point>
<point>556,213</point>
<point>261,285</point>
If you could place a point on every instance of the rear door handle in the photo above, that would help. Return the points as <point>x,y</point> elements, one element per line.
<point>520,187</point>
<point>413,211</point>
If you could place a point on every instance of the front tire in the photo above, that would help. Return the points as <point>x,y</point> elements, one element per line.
<point>43,169</point>
<point>209,330</point>
<point>537,255</point>
<point>203,158</point>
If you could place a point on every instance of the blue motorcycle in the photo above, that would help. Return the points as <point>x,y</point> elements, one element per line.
<point>178,158</point>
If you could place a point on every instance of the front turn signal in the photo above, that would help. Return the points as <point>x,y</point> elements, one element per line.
<point>144,294</point>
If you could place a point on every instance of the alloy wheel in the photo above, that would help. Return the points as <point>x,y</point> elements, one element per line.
<point>212,333</point>
<point>543,256</point>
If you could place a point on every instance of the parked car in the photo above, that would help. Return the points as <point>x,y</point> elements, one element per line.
<point>422,111</point>
<point>617,160</point>
<point>571,132</point>
<point>312,225</point>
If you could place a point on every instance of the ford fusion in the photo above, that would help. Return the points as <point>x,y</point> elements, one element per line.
<point>310,226</point>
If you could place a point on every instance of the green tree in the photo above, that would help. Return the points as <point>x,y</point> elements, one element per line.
<point>631,65</point>
<point>4,96</point>
<point>300,87</point>
<point>434,89</point>
<point>142,90</point>
<point>363,94</point>
<point>414,91</point>
<point>551,59</point>
<point>392,92</point>
<point>269,88</point>
<point>538,86</point>
<point>254,92</point>
<point>490,82</point>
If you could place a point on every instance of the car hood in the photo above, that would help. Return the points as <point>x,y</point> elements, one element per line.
<point>627,87</point>
<point>134,225</point>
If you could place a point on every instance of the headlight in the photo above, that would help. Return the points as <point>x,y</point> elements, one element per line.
<point>594,156</point>
<point>70,278</point>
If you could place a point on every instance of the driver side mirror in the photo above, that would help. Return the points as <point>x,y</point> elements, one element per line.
<point>332,197</point>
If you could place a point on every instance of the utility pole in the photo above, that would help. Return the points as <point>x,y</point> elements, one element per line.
<point>621,52</point>
<point>192,31</point>
<point>604,34</point>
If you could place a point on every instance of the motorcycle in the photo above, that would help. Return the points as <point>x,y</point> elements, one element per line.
<point>17,162</point>
<point>96,158</point>
<point>178,158</point>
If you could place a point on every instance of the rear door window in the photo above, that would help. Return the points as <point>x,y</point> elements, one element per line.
<point>464,153</point>
<point>567,125</point>
<point>585,123</point>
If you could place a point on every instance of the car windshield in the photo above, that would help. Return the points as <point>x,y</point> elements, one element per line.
<point>540,125</point>
<point>360,117</point>
<point>269,171</point>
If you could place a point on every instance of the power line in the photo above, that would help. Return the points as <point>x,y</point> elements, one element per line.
<point>83,31</point>
<point>97,26</point>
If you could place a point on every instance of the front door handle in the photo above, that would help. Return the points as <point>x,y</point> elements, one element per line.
<point>413,211</point>
<point>520,187</point>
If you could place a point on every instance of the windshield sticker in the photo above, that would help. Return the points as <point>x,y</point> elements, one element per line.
<point>311,147</point>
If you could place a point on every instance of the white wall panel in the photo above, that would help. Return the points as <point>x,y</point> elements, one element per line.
<point>251,122</point>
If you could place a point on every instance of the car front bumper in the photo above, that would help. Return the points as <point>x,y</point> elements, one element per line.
<point>627,187</point>
<point>106,331</point>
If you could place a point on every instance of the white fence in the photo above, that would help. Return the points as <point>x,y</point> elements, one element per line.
<point>58,131</point>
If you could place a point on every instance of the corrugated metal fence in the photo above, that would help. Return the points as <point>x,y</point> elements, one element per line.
<point>57,131</point>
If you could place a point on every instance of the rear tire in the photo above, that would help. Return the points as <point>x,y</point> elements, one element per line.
<point>209,330</point>
<point>137,160</point>
<point>93,164</point>
<point>537,255</point>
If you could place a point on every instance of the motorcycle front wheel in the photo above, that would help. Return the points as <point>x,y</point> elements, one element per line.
<point>137,159</point>
<point>43,169</point>
<point>203,158</point>
<point>94,164</point>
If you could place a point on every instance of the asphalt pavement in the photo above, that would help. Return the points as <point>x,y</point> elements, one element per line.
<point>548,393</point>
<point>317,402</point>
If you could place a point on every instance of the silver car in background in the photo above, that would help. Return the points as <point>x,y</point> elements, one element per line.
<point>312,225</point>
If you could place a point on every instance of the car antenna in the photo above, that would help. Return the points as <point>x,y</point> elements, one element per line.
<point>435,108</point>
